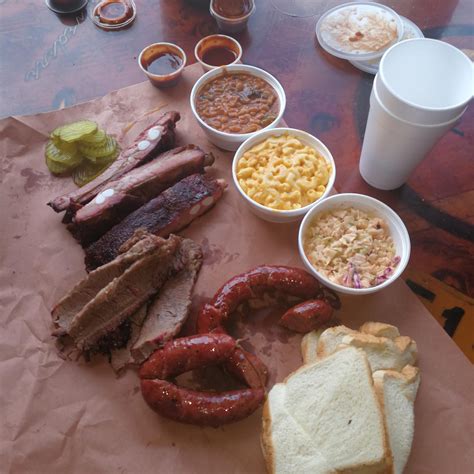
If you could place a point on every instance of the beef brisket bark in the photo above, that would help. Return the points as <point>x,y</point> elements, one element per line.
<point>169,309</point>
<point>155,139</point>
<point>171,211</point>
<point>124,295</point>
<point>134,189</point>
<point>65,310</point>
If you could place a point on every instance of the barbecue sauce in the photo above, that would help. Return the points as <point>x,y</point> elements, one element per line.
<point>232,8</point>
<point>163,64</point>
<point>218,56</point>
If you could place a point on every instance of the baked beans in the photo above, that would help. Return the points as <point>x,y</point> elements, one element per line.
<point>237,103</point>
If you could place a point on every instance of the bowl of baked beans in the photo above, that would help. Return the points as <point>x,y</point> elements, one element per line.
<point>282,172</point>
<point>232,103</point>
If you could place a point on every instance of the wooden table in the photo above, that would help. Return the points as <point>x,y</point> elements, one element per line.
<point>49,61</point>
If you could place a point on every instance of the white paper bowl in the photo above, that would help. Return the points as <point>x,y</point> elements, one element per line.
<point>274,215</point>
<point>232,141</point>
<point>397,228</point>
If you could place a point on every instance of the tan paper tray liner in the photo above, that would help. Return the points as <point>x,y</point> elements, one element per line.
<point>60,416</point>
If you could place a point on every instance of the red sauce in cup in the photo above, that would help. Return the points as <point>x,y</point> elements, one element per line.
<point>219,56</point>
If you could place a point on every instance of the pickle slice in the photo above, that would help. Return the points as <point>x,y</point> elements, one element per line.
<point>66,158</point>
<point>88,171</point>
<point>73,132</point>
<point>95,153</point>
<point>98,138</point>
<point>55,167</point>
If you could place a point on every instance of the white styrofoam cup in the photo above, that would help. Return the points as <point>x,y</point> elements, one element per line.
<point>425,81</point>
<point>392,147</point>
<point>421,90</point>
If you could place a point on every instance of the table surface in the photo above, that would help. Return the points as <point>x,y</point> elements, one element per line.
<point>49,61</point>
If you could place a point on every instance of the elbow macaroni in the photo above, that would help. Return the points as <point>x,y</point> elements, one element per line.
<point>283,173</point>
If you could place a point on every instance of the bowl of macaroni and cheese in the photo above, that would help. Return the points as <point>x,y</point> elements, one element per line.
<point>354,243</point>
<point>282,172</point>
<point>233,102</point>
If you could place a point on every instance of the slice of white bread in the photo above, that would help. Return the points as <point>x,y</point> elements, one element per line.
<point>391,352</point>
<point>382,352</point>
<point>396,392</point>
<point>325,418</point>
<point>380,329</point>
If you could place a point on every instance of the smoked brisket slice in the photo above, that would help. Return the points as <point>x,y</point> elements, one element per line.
<point>124,295</point>
<point>163,139</point>
<point>87,289</point>
<point>134,189</point>
<point>171,211</point>
<point>120,359</point>
<point>169,309</point>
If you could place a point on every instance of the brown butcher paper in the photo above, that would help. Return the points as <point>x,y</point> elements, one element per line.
<point>61,416</point>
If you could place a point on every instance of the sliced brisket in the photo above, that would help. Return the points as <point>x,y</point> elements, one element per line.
<point>65,310</point>
<point>155,139</point>
<point>170,308</point>
<point>171,211</point>
<point>124,295</point>
<point>134,189</point>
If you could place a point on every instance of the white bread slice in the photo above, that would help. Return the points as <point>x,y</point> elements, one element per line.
<point>396,392</point>
<point>380,329</point>
<point>331,405</point>
<point>330,339</point>
<point>285,445</point>
<point>309,345</point>
<point>382,352</point>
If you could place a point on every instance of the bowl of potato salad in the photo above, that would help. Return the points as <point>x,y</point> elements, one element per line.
<point>281,173</point>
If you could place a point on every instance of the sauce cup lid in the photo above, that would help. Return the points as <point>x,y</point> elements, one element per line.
<point>339,30</point>
<point>121,22</point>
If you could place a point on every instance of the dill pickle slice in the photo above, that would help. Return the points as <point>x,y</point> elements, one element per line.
<point>95,153</point>
<point>98,138</point>
<point>55,167</point>
<point>88,171</point>
<point>73,132</point>
<point>66,158</point>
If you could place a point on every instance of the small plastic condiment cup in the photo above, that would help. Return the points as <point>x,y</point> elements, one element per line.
<point>358,56</point>
<point>232,141</point>
<point>275,215</point>
<point>100,19</point>
<point>231,24</point>
<point>154,50</point>
<point>214,41</point>
<point>398,232</point>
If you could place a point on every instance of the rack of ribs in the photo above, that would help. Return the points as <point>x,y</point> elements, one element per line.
<point>134,189</point>
<point>168,213</point>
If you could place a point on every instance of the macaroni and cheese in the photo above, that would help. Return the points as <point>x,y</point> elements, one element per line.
<point>283,173</point>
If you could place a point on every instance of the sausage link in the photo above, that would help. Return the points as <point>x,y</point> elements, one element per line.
<point>289,280</point>
<point>188,353</point>
<point>247,368</point>
<point>307,316</point>
<point>200,408</point>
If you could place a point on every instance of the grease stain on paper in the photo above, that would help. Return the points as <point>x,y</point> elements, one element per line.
<point>33,179</point>
<point>213,254</point>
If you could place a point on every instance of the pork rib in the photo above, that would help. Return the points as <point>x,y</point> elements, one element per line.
<point>170,308</point>
<point>124,295</point>
<point>171,211</point>
<point>158,137</point>
<point>65,310</point>
<point>134,189</point>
